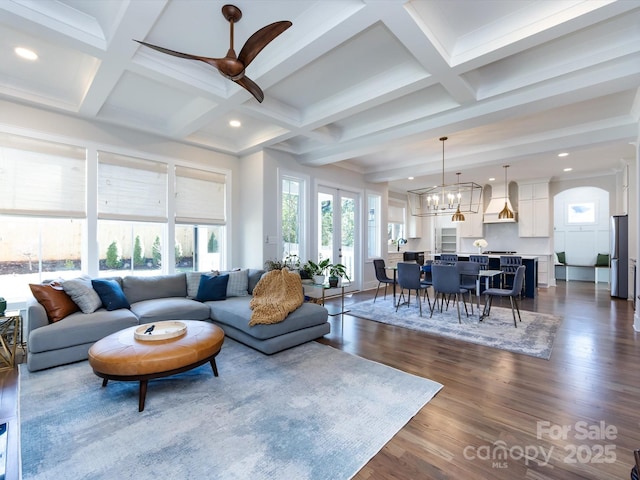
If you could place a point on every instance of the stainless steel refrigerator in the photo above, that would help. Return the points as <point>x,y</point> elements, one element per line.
<point>619,256</point>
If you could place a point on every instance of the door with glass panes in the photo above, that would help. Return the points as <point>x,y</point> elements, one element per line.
<point>337,229</point>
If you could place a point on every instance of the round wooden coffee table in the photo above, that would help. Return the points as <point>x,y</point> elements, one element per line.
<point>120,356</point>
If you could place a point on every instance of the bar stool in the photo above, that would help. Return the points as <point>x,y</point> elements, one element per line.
<point>509,266</point>
<point>448,258</point>
<point>483,260</point>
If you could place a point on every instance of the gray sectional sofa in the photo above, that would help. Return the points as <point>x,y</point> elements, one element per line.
<point>167,297</point>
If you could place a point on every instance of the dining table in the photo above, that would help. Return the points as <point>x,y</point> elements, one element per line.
<point>487,275</point>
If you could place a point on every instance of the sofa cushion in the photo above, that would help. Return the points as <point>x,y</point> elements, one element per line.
<point>212,288</point>
<point>55,301</point>
<point>161,286</point>
<point>235,311</point>
<point>602,260</point>
<point>193,282</point>
<point>79,329</point>
<point>111,294</point>
<point>254,277</point>
<point>82,293</point>
<point>172,308</point>
<point>238,283</point>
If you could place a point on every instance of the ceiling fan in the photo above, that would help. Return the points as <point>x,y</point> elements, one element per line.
<point>232,66</point>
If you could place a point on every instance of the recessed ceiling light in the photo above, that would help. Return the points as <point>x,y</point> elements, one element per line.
<point>563,154</point>
<point>26,53</point>
<point>568,169</point>
<point>491,179</point>
<point>235,123</point>
<point>410,178</point>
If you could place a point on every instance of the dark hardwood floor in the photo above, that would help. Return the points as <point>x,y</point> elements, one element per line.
<point>495,401</point>
<point>580,410</point>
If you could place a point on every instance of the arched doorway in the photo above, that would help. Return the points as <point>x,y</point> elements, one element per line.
<point>581,230</point>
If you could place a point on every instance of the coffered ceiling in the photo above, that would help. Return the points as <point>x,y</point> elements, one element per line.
<point>368,85</point>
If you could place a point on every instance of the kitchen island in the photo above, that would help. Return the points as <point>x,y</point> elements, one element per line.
<point>529,261</point>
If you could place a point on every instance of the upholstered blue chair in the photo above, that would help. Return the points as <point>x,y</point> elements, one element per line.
<point>409,278</point>
<point>446,282</point>
<point>468,272</point>
<point>513,294</point>
<point>381,276</point>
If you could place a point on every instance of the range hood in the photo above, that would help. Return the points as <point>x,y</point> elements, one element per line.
<point>496,204</point>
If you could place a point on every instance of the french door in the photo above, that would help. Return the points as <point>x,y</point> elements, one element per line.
<point>338,217</point>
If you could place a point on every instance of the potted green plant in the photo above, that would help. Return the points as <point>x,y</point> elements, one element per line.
<point>336,272</point>
<point>317,270</point>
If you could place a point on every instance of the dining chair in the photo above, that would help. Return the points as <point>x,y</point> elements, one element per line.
<point>426,278</point>
<point>468,272</point>
<point>446,281</point>
<point>509,265</point>
<point>448,258</point>
<point>409,278</point>
<point>381,276</point>
<point>513,294</point>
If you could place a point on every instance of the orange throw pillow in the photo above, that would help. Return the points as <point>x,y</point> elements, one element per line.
<point>56,302</point>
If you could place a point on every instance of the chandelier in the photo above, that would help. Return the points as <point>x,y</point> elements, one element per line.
<point>455,199</point>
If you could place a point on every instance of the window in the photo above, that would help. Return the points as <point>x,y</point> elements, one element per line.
<point>199,247</point>
<point>395,224</point>
<point>43,204</point>
<point>584,212</point>
<point>373,226</point>
<point>132,211</point>
<point>200,220</point>
<point>129,248</point>
<point>31,253</point>
<point>292,217</point>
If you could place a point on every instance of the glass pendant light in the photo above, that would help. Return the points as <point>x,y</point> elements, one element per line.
<point>505,213</point>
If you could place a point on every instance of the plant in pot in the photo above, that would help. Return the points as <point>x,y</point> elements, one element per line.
<point>336,272</point>
<point>317,270</point>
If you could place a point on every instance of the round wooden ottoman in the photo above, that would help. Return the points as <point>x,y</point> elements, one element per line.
<point>121,356</point>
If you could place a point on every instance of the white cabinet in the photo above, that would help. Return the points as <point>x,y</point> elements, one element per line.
<point>472,226</point>
<point>543,270</point>
<point>533,209</point>
<point>414,227</point>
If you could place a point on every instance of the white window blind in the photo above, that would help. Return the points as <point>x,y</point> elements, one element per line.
<point>395,213</point>
<point>131,188</point>
<point>200,196</point>
<point>41,178</point>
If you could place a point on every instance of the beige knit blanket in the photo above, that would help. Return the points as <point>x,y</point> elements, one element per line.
<point>277,294</point>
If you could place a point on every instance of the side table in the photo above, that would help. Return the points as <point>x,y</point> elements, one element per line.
<point>10,337</point>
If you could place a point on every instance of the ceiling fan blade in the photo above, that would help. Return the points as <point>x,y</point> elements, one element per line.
<point>252,87</point>
<point>261,39</point>
<point>170,52</point>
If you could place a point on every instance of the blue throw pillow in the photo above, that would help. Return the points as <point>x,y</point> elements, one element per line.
<point>212,288</point>
<point>110,293</point>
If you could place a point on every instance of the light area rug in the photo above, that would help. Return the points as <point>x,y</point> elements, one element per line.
<point>534,336</point>
<point>311,412</point>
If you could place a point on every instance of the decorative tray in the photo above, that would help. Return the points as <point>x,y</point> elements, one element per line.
<point>160,330</point>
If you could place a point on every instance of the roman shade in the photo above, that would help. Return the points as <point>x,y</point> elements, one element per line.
<point>200,196</point>
<point>396,213</point>
<point>131,188</point>
<point>41,178</point>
